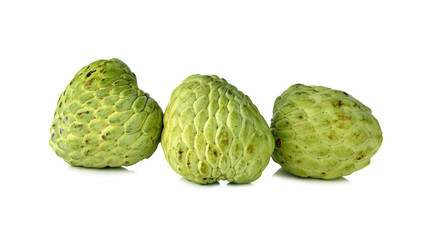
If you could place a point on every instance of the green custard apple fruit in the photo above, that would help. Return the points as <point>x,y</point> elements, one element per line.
<point>103,120</point>
<point>212,132</point>
<point>323,133</point>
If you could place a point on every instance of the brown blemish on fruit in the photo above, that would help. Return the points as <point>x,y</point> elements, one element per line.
<point>89,82</point>
<point>297,146</point>
<point>60,104</point>
<point>180,153</point>
<point>300,117</point>
<point>343,117</point>
<point>79,114</point>
<point>278,143</point>
<point>362,155</point>
<point>215,153</point>
<point>205,178</point>
<point>104,137</point>
<point>340,103</point>
<point>250,148</point>
<point>298,161</point>
<point>188,163</point>
<point>345,93</point>
<point>330,137</point>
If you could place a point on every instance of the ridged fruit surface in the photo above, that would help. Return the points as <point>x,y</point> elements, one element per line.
<point>103,120</point>
<point>323,133</point>
<point>212,132</point>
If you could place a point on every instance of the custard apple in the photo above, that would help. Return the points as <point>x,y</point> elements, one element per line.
<point>323,133</point>
<point>103,120</point>
<point>212,132</point>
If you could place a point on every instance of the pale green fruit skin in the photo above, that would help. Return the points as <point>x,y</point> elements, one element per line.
<point>103,120</point>
<point>212,132</point>
<point>323,133</point>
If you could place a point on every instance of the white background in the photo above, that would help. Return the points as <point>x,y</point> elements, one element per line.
<point>373,50</point>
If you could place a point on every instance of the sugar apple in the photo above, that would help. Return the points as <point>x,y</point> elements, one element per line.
<point>212,132</point>
<point>103,120</point>
<point>323,133</point>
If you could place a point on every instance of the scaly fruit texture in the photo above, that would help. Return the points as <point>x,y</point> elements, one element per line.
<point>323,133</point>
<point>103,120</point>
<point>212,132</point>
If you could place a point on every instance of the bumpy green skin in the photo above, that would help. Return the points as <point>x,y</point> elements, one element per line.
<point>103,120</point>
<point>323,133</point>
<point>213,132</point>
